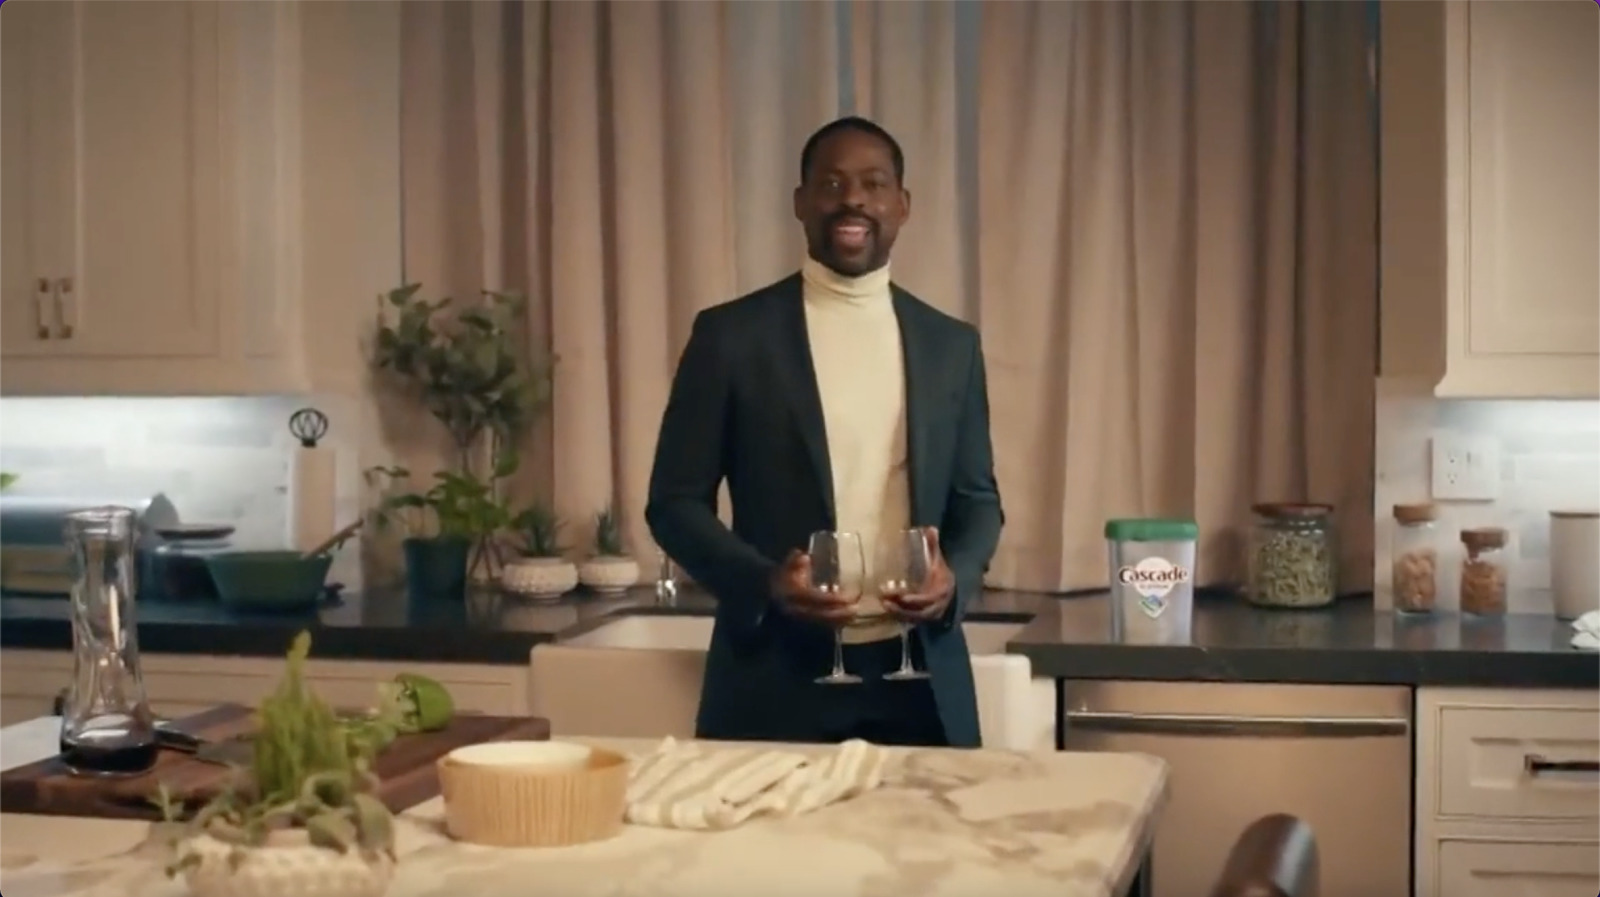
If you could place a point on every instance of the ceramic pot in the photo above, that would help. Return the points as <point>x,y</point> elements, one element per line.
<point>539,578</point>
<point>609,574</point>
<point>286,864</point>
<point>436,568</point>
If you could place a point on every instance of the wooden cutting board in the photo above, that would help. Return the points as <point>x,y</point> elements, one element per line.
<point>406,768</point>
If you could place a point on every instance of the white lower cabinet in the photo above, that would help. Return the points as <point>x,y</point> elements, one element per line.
<point>1508,793</point>
<point>181,684</point>
<point>1502,868</point>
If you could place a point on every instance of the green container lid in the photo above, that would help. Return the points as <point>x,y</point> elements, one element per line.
<point>1152,529</point>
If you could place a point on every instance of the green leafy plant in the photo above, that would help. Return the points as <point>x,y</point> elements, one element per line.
<point>456,506</point>
<point>465,364</point>
<point>6,479</point>
<point>537,530</point>
<point>608,534</point>
<point>310,770</point>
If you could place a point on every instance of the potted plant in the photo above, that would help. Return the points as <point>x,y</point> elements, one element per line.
<point>465,365</point>
<point>463,513</point>
<point>542,571</point>
<point>610,571</point>
<point>304,818</point>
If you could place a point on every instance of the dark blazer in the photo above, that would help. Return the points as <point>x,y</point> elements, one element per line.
<point>744,406</point>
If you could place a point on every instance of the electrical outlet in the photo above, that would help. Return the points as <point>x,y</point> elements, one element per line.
<point>1465,468</point>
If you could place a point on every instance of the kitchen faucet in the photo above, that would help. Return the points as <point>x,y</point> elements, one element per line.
<point>666,582</point>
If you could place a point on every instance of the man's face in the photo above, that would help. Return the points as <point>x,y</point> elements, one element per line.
<point>851,204</point>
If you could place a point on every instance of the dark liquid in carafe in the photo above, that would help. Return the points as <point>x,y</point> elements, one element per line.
<point>108,756</point>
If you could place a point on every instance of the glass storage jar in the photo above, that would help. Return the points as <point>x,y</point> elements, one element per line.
<point>1414,564</point>
<point>1484,572</point>
<point>1293,557</point>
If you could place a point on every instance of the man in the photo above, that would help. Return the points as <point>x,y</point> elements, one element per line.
<point>831,400</point>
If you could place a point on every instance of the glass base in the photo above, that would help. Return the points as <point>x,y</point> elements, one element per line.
<point>905,675</point>
<point>838,679</point>
<point>117,761</point>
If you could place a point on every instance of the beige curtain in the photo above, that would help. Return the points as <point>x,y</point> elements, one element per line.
<point>1160,215</point>
<point>624,166</point>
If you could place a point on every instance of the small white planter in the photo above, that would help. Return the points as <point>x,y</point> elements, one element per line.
<point>288,865</point>
<point>539,578</point>
<point>609,574</point>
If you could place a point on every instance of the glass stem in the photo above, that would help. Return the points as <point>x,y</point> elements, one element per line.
<point>838,653</point>
<point>905,649</point>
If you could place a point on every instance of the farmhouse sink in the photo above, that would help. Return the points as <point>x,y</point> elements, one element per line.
<point>683,633</point>
<point>638,675</point>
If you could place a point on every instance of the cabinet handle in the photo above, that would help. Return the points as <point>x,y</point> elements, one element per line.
<point>66,306</point>
<point>1534,764</point>
<point>42,297</point>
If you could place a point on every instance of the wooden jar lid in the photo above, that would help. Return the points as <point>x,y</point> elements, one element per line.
<point>1483,538</point>
<point>1415,513</point>
<point>533,793</point>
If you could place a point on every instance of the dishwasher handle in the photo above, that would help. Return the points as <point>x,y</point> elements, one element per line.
<point>1228,725</point>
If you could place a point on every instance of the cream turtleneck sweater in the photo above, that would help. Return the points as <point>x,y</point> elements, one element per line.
<point>855,349</point>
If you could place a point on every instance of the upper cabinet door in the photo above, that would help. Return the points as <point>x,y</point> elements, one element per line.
<point>1490,197</point>
<point>33,128</point>
<point>140,248</point>
<point>1533,164</point>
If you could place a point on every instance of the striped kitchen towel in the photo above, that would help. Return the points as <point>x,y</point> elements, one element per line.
<point>692,786</point>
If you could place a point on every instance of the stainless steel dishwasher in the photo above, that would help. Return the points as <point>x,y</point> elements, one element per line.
<point>1337,756</point>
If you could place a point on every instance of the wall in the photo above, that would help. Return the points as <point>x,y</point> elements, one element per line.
<point>219,459</point>
<point>1549,460</point>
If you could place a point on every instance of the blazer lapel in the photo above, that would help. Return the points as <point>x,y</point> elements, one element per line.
<point>919,360</point>
<point>800,378</point>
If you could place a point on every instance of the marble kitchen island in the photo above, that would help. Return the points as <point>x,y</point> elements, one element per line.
<point>947,823</point>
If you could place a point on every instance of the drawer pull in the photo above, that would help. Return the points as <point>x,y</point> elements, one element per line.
<point>1534,764</point>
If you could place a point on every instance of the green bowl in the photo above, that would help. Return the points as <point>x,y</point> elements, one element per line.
<point>269,580</point>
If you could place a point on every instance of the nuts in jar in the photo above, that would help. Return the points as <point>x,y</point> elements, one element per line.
<point>1483,572</point>
<point>1416,578</point>
<point>1414,572</point>
<point>1292,556</point>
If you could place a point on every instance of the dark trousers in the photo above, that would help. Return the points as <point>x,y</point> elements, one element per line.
<point>875,709</point>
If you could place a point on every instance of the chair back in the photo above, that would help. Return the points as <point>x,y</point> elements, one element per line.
<point>1275,856</point>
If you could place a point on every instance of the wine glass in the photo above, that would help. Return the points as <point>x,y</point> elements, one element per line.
<point>838,567</point>
<point>903,564</point>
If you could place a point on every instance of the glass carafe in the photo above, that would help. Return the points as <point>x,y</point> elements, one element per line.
<point>106,725</point>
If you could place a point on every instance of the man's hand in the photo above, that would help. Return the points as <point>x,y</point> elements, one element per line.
<point>795,596</point>
<point>930,602</point>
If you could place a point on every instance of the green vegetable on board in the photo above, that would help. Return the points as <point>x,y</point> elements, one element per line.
<point>309,770</point>
<point>425,705</point>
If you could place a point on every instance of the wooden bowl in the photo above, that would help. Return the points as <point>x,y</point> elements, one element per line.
<point>533,793</point>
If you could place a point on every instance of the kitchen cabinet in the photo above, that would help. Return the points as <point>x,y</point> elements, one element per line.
<point>183,684</point>
<point>149,183</point>
<point>1508,783</point>
<point>1490,197</point>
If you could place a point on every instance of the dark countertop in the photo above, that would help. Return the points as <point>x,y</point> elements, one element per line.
<point>489,628</point>
<point>1348,643</point>
<point>376,625</point>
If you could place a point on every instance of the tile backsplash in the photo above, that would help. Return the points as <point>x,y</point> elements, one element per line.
<point>219,459</point>
<point>1549,459</point>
